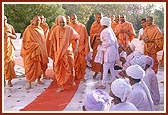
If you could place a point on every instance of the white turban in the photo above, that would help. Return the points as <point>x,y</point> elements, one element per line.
<point>105,21</point>
<point>121,88</point>
<point>139,60</point>
<point>97,100</point>
<point>149,60</point>
<point>135,72</point>
<point>138,54</point>
<point>132,46</point>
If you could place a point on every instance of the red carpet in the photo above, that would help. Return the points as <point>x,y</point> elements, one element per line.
<point>49,100</point>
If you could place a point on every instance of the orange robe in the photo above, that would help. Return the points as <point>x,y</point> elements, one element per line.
<point>34,52</point>
<point>113,25</point>
<point>83,50</point>
<point>95,31</point>
<point>9,62</point>
<point>155,43</point>
<point>50,51</point>
<point>61,44</point>
<point>122,37</point>
<point>45,28</point>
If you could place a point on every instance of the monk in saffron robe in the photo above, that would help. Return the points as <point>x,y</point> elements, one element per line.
<point>115,22</point>
<point>48,41</point>
<point>62,37</point>
<point>68,20</point>
<point>124,31</point>
<point>83,47</point>
<point>153,39</point>
<point>9,63</point>
<point>34,52</point>
<point>45,28</point>
<point>95,31</point>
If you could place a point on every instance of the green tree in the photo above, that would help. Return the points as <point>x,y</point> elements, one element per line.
<point>159,18</point>
<point>89,23</point>
<point>19,15</point>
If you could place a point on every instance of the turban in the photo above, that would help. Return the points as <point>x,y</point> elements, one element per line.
<point>139,60</point>
<point>105,21</point>
<point>138,54</point>
<point>97,100</point>
<point>121,88</point>
<point>132,46</point>
<point>135,72</point>
<point>149,60</point>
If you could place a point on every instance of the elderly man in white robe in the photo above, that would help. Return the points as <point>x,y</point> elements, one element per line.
<point>120,90</point>
<point>109,49</point>
<point>140,95</point>
<point>97,100</point>
<point>146,62</point>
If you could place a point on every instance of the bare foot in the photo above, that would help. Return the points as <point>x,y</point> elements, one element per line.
<point>94,76</point>
<point>59,89</point>
<point>73,83</point>
<point>101,87</point>
<point>46,78</point>
<point>83,80</point>
<point>40,82</point>
<point>10,84</point>
<point>28,86</point>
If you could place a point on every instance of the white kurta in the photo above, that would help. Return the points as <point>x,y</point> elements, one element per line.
<point>125,106</point>
<point>141,42</point>
<point>109,45</point>
<point>110,53</point>
<point>139,98</point>
<point>151,81</point>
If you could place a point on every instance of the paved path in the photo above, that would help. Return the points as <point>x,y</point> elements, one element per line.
<point>18,97</point>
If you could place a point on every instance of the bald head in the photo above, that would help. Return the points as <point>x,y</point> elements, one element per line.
<point>36,21</point>
<point>67,19</point>
<point>61,21</point>
<point>73,18</point>
<point>122,18</point>
<point>98,16</point>
<point>43,19</point>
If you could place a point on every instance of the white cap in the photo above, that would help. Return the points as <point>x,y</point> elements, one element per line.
<point>121,88</point>
<point>105,21</point>
<point>135,72</point>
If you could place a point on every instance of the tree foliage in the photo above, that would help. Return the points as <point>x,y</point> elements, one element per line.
<point>19,15</point>
<point>89,23</point>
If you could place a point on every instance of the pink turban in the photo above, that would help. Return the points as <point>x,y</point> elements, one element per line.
<point>135,72</point>
<point>97,100</point>
<point>121,88</point>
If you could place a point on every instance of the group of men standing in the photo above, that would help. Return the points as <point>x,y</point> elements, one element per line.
<point>67,44</point>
